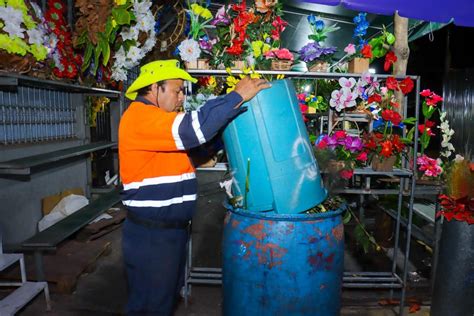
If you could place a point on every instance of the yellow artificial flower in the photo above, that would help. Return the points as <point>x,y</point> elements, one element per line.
<point>266,48</point>
<point>114,22</point>
<point>120,2</point>
<point>257,48</point>
<point>212,82</point>
<point>228,70</point>
<point>279,77</point>
<point>206,14</point>
<point>201,11</point>
<point>231,82</point>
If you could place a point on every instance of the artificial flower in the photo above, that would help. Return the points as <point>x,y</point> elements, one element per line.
<point>390,59</point>
<point>429,165</point>
<point>366,51</point>
<point>350,49</point>
<point>189,50</point>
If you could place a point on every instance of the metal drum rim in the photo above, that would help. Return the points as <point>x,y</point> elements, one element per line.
<point>288,217</point>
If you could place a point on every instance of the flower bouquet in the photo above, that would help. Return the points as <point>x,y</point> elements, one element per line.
<point>208,90</point>
<point>196,50</point>
<point>310,103</point>
<point>340,153</point>
<point>314,54</point>
<point>361,54</point>
<point>66,63</point>
<point>282,58</point>
<point>21,36</point>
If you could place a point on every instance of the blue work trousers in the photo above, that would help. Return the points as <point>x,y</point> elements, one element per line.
<point>154,260</point>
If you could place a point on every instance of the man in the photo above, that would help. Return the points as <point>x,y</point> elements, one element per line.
<point>159,180</point>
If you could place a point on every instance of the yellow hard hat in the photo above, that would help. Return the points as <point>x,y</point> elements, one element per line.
<point>155,71</point>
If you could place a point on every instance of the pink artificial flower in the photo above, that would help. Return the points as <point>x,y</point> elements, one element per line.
<point>340,134</point>
<point>350,49</point>
<point>429,165</point>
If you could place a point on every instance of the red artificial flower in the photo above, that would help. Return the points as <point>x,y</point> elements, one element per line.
<point>323,144</point>
<point>236,48</point>
<point>362,156</point>
<point>386,149</point>
<point>203,81</point>
<point>394,104</point>
<point>390,59</point>
<point>433,99</point>
<point>427,127</point>
<point>366,51</point>
<point>392,83</point>
<point>279,24</point>
<point>406,85</point>
<point>391,116</point>
<point>374,98</point>
<point>425,93</point>
<point>346,173</point>
<point>397,144</point>
<point>240,7</point>
<point>370,144</point>
<point>57,5</point>
<point>340,134</point>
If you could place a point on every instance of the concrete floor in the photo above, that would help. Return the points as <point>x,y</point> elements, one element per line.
<point>103,292</point>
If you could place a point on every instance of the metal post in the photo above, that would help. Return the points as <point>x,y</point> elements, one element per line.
<point>39,265</point>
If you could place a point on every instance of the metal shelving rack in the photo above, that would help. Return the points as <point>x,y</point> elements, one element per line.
<point>407,187</point>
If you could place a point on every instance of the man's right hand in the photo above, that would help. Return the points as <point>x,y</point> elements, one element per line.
<point>248,88</point>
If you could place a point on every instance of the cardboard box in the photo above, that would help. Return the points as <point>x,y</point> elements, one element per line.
<point>49,202</point>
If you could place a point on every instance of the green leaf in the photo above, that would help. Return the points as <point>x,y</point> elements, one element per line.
<point>390,38</point>
<point>81,40</point>
<point>406,140</point>
<point>97,53</point>
<point>121,16</point>
<point>425,140</point>
<point>105,49</point>
<point>411,133</point>
<point>409,120</point>
<point>87,56</point>
<point>346,218</point>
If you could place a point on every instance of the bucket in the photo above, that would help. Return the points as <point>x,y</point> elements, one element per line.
<point>271,139</point>
<point>282,264</point>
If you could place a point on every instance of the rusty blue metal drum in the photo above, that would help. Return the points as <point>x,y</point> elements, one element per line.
<point>282,264</point>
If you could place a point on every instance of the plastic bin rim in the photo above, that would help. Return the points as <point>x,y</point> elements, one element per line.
<point>288,217</point>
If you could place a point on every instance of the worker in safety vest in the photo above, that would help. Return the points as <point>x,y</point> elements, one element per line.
<point>159,181</point>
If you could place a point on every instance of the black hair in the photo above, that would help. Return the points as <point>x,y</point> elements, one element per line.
<point>145,90</point>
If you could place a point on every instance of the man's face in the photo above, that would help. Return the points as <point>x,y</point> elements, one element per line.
<point>170,96</point>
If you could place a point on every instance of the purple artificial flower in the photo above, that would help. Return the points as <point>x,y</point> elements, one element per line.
<point>221,17</point>
<point>353,144</point>
<point>206,45</point>
<point>331,141</point>
<point>313,51</point>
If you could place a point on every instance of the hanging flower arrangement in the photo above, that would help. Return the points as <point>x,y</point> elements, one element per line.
<point>131,50</point>
<point>66,62</point>
<point>20,32</point>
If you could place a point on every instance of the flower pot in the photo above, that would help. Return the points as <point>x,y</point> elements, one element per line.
<point>453,289</point>
<point>334,166</point>
<point>278,64</point>
<point>358,65</point>
<point>319,66</point>
<point>200,63</point>
<point>383,164</point>
<point>238,65</point>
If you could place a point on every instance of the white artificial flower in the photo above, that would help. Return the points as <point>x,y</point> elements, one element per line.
<point>141,8</point>
<point>13,19</point>
<point>149,43</point>
<point>347,83</point>
<point>458,158</point>
<point>119,74</point>
<point>134,54</point>
<point>189,50</point>
<point>145,23</point>
<point>35,36</point>
<point>129,34</point>
<point>442,116</point>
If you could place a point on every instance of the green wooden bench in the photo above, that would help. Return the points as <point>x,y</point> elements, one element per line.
<point>24,166</point>
<point>49,238</point>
